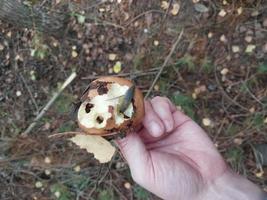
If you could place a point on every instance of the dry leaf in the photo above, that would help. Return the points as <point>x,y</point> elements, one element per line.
<point>250,48</point>
<point>117,67</point>
<point>239,10</point>
<point>101,148</point>
<point>235,48</point>
<point>248,38</point>
<point>175,9</point>
<point>74,54</point>
<point>223,38</point>
<point>224,71</point>
<point>206,122</point>
<point>222,13</point>
<point>156,42</point>
<point>164,5</point>
<point>112,56</point>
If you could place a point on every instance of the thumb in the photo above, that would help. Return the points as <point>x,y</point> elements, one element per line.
<point>134,151</point>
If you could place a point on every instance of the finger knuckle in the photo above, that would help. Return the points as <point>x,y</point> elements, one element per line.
<point>160,99</point>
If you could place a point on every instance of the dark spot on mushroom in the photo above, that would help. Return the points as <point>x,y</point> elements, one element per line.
<point>126,117</point>
<point>100,119</point>
<point>88,107</point>
<point>102,89</point>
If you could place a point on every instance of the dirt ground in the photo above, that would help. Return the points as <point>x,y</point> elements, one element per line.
<point>217,75</point>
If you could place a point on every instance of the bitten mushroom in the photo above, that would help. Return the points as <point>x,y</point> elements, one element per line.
<point>100,113</point>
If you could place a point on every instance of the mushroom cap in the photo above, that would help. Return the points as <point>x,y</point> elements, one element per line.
<point>99,113</point>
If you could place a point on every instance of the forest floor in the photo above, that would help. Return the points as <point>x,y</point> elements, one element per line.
<point>217,75</point>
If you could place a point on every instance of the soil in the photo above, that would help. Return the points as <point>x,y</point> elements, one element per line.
<point>217,75</point>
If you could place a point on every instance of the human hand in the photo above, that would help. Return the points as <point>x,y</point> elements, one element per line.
<point>172,157</point>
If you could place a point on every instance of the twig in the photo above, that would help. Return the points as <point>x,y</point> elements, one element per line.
<point>224,93</point>
<point>165,17</point>
<point>165,63</point>
<point>138,73</point>
<point>142,14</point>
<point>49,104</point>
<point>252,95</point>
<point>30,93</point>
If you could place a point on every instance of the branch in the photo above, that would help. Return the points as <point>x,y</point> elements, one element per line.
<point>49,104</point>
<point>165,63</point>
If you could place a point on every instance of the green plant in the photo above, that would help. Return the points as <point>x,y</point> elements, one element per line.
<point>186,102</point>
<point>78,181</point>
<point>106,195</point>
<point>186,61</point>
<point>67,126</point>
<point>60,191</point>
<point>207,65</point>
<point>262,69</point>
<point>235,156</point>
<point>39,49</point>
<point>257,120</point>
<point>63,103</point>
<point>140,193</point>
<point>232,129</point>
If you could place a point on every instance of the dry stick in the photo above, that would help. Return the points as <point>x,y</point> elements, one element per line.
<point>138,73</point>
<point>165,63</point>
<point>49,104</point>
<point>30,93</point>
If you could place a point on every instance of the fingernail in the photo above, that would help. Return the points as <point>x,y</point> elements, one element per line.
<point>168,125</point>
<point>155,129</point>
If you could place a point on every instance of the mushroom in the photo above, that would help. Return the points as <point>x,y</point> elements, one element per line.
<point>100,111</point>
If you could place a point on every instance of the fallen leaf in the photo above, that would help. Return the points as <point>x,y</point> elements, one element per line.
<point>238,141</point>
<point>117,67</point>
<point>222,13</point>
<point>156,42</point>
<point>127,185</point>
<point>259,174</point>
<point>235,48</point>
<point>102,149</point>
<point>112,56</point>
<point>223,38</point>
<point>38,184</point>
<point>210,34</point>
<point>206,122</point>
<point>225,2</point>
<point>77,168</point>
<point>47,160</point>
<point>74,54</point>
<point>2,47</point>
<point>81,19</point>
<point>194,95</point>
<point>250,48</point>
<point>201,8</point>
<point>175,9</point>
<point>224,71</point>
<point>248,38</point>
<point>164,5</point>
<point>102,9</point>
<point>239,10</point>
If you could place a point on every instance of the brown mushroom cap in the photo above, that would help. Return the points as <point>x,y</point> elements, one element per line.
<point>100,87</point>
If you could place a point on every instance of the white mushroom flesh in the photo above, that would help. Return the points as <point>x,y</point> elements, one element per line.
<point>99,112</point>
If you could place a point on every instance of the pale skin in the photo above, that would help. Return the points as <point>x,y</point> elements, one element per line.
<point>173,157</point>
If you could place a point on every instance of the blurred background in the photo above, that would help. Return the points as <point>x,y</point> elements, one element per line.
<point>217,75</point>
